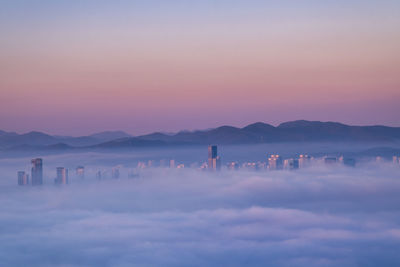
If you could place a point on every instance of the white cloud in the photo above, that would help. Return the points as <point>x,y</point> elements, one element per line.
<point>312,217</point>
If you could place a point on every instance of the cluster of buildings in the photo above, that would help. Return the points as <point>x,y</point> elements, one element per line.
<point>37,174</point>
<point>274,162</point>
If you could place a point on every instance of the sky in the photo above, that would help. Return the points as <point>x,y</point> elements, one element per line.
<point>79,67</point>
<point>316,216</point>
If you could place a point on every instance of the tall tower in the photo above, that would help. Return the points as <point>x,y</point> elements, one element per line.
<point>23,178</point>
<point>304,161</point>
<point>62,176</point>
<point>214,162</point>
<point>80,172</point>
<point>172,163</point>
<point>275,162</point>
<point>37,171</point>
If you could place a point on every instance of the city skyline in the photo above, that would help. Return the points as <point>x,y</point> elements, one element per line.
<point>199,133</point>
<point>148,66</point>
<point>213,163</point>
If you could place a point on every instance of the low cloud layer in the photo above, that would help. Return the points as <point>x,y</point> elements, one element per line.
<point>318,216</point>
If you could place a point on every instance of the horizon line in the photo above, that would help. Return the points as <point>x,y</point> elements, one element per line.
<point>190,130</point>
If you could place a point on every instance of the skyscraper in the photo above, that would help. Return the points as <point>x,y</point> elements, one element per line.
<point>37,171</point>
<point>290,164</point>
<point>214,162</point>
<point>180,166</point>
<point>347,161</point>
<point>172,163</point>
<point>80,172</point>
<point>233,165</point>
<point>23,178</point>
<point>304,161</point>
<point>62,176</point>
<point>275,162</point>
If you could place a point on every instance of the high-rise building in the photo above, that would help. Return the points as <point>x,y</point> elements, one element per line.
<point>304,161</point>
<point>233,165</point>
<point>290,164</point>
<point>23,178</point>
<point>172,163</point>
<point>62,176</point>
<point>347,161</point>
<point>180,166</point>
<point>214,161</point>
<point>80,172</point>
<point>396,160</point>
<point>250,166</point>
<point>37,171</point>
<point>141,165</point>
<point>204,166</point>
<point>212,153</point>
<point>275,162</point>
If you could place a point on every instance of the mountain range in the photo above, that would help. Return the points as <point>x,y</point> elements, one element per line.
<point>294,131</point>
<point>34,139</point>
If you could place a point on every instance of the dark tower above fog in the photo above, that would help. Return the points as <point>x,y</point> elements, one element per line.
<point>37,171</point>
<point>62,176</point>
<point>23,178</point>
<point>214,162</point>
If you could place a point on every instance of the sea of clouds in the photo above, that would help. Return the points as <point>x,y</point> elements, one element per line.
<point>317,216</point>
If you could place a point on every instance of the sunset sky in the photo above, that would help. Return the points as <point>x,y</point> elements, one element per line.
<point>78,67</point>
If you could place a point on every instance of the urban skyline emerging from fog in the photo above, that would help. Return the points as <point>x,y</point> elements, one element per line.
<point>213,163</point>
<point>199,133</point>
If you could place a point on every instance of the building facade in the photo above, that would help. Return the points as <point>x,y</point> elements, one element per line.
<point>23,178</point>
<point>214,161</point>
<point>62,176</point>
<point>37,171</point>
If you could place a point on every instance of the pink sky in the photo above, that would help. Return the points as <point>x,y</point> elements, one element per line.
<point>86,75</point>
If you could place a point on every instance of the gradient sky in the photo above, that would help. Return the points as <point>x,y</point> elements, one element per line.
<point>78,67</point>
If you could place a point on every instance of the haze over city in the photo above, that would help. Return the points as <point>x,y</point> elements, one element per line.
<point>199,133</point>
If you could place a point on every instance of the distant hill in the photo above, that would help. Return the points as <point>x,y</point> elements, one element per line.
<point>55,147</point>
<point>38,139</point>
<point>294,131</point>
<point>128,142</point>
<point>110,135</point>
<point>31,138</point>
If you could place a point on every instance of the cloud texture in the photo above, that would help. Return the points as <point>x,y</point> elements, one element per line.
<point>313,217</point>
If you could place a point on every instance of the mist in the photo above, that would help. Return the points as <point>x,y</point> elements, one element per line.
<point>317,216</point>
